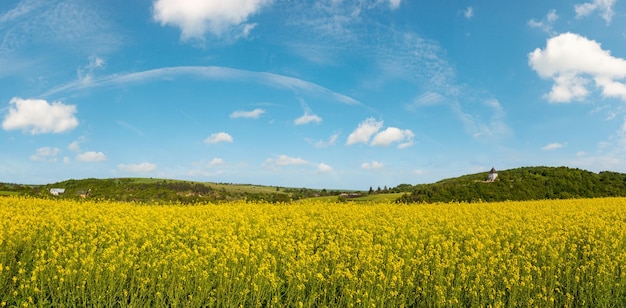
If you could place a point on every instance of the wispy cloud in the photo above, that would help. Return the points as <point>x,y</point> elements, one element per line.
<point>215,162</point>
<point>284,160</point>
<point>469,12</point>
<point>604,6</point>
<point>209,72</point>
<point>552,146</point>
<point>137,168</point>
<point>325,143</point>
<point>79,24</point>
<point>46,154</point>
<point>372,165</point>
<point>546,24</point>
<point>254,114</point>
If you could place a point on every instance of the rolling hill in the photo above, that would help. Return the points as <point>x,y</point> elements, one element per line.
<point>525,183</point>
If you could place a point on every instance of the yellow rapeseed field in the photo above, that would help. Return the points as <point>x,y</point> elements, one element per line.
<point>565,253</point>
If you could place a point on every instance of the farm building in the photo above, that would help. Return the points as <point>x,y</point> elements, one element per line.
<point>57,191</point>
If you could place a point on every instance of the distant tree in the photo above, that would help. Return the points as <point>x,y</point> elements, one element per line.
<point>371,191</point>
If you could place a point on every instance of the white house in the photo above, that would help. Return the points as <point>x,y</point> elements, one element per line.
<point>493,174</point>
<point>57,191</point>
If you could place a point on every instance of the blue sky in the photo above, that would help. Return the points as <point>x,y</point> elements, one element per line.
<point>321,94</point>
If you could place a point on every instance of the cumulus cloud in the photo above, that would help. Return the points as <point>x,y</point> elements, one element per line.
<point>364,131</point>
<point>307,118</point>
<point>254,114</point>
<point>573,62</point>
<point>373,165</point>
<point>75,145</point>
<point>91,156</point>
<point>197,17</point>
<point>394,134</point>
<point>37,116</point>
<point>137,168</point>
<point>324,168</point>
<point>219,137</point>
<point>604,6</point>
<point>370,127</point>
<point>215,162</point>
<point>46,153</point>
<point>552,146</point>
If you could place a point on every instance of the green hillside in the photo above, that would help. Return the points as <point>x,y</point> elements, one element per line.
<point>149,190</point>
<point>526,183</point>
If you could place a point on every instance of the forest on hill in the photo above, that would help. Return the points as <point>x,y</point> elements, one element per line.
<point>525,183</point>
<point>148,190</point>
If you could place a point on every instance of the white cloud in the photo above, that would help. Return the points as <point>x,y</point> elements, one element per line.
<point>426,99</point>
<point>394,134</point>
<point>91,156</point>
<point>604,6</point>
<point>553,146</point>
<point>196,17</point>
<point>46,153</point>
<point>209,72</point>
<point>37,116</point>
<point>85,74</point>
<point>572,62</point>
<point>284,160</point>
<point>364,131</point>
<point>254,114</point>
<point>324,168</point>
<point>306,119</point>
<point>71,25</point>
<point>545,24</point>
<point>137,168</point>
<point>323,144</point>
<point>219,137</point>
<point>373,165</point>
<point>308,116</point>
<point>394,4</point>
<point>469,12</point>
<point>215,162</point>
<point>75,145</point>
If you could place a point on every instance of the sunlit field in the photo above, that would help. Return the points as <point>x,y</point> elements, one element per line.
<point>565,253</point>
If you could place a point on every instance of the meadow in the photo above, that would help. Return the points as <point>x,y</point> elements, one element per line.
<point>551,253</point>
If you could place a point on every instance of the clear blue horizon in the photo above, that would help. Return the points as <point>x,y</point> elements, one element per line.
<point>320,94</point>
